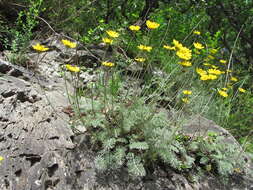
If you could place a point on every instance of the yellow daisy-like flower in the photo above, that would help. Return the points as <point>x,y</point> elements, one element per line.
<point>201,71</point>
<point>213,51</point>
<point>242,90</point>
<point>72,68</point>
<point>39,47</point>
<point>69,43</point>
<point>207,64</point>
<point>196,32</point>
<point>210,57</point>
<point>185,100</point>
<point>225,89</point>
<point>214,66</point>
<point>198,45</point>
<point>140,59</point>
<point>134,28</point>
<point>108,64</point>
<point>1,158</point>
<point>223,93</point>
<point>107,40</point>
<point>177,44</point>
<point>145,48</point>
<point>234,79</point>
<point>214,71</point>
<point>208,77</point>
<point>152,25</point>
<point>169,47</point>
<point>223,61</point>
<point>184,53</point>
<point>187,92</point>
<point>112,33</point>
<point>185,63</point>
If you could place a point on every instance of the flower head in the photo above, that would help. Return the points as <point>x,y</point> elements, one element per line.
<point>196,32</point>
<point>177,44</point>
<point>1,158</point>
<point>214,71</point>
<point>39,47</point>
<point>187,92</point>
<point>234,79</point>
<point>152,25</point>
<point>139,59</point>
<point>201,71</point>
<point>108,64</point>
<point>223,61</point>
<point>134,28</point>
<point>213,51</point>
<point>185,63</point>
<point>185,100</point>
<point>184,53</point>
<point>72,68</point>
<point>207,64</point>
<point>169,47</point>
<point>107,40</point>
<point>112,33</point>
<point>198,45</point>
<point>223,93</point>
<point>242,90</point>
<point>145,48</point>
<point>69,43</point>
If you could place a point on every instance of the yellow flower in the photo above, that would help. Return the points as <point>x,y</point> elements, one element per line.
<point>208,77</point>
<point>207,64</point>
<point>242,90</point>
<point>184,53</point>
<point>146,48</point>
<point>187,92</point>
<point>201,71</point>
<point>1,158</point>
<point>169,47</point>
<point>225,89</point>
<point>212,77</point>
<point>69,43</point>
<point>152,25</point>
<point>140,59</point>
<point>134,28</point>
<point>40,47</point>
<point>223,61</point>
<point>214,71</point>
<point>71,68</point>
<point>234,79</point>
<point>177,44</point>
<point>223,93</point>
<point>198,45</point>
<point>185,100</point>
<point>211,57</point>
<point>107,40</point>
<point>108,64</point>
<point>215,67</point>
<point>112,33</point>
<point>196,32</point>
<point>213,51</point>
<point>185,63</point>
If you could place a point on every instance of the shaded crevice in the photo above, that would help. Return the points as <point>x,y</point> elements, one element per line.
<point>52,169</point>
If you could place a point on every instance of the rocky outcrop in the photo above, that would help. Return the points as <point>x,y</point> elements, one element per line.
<point>40,150</point>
